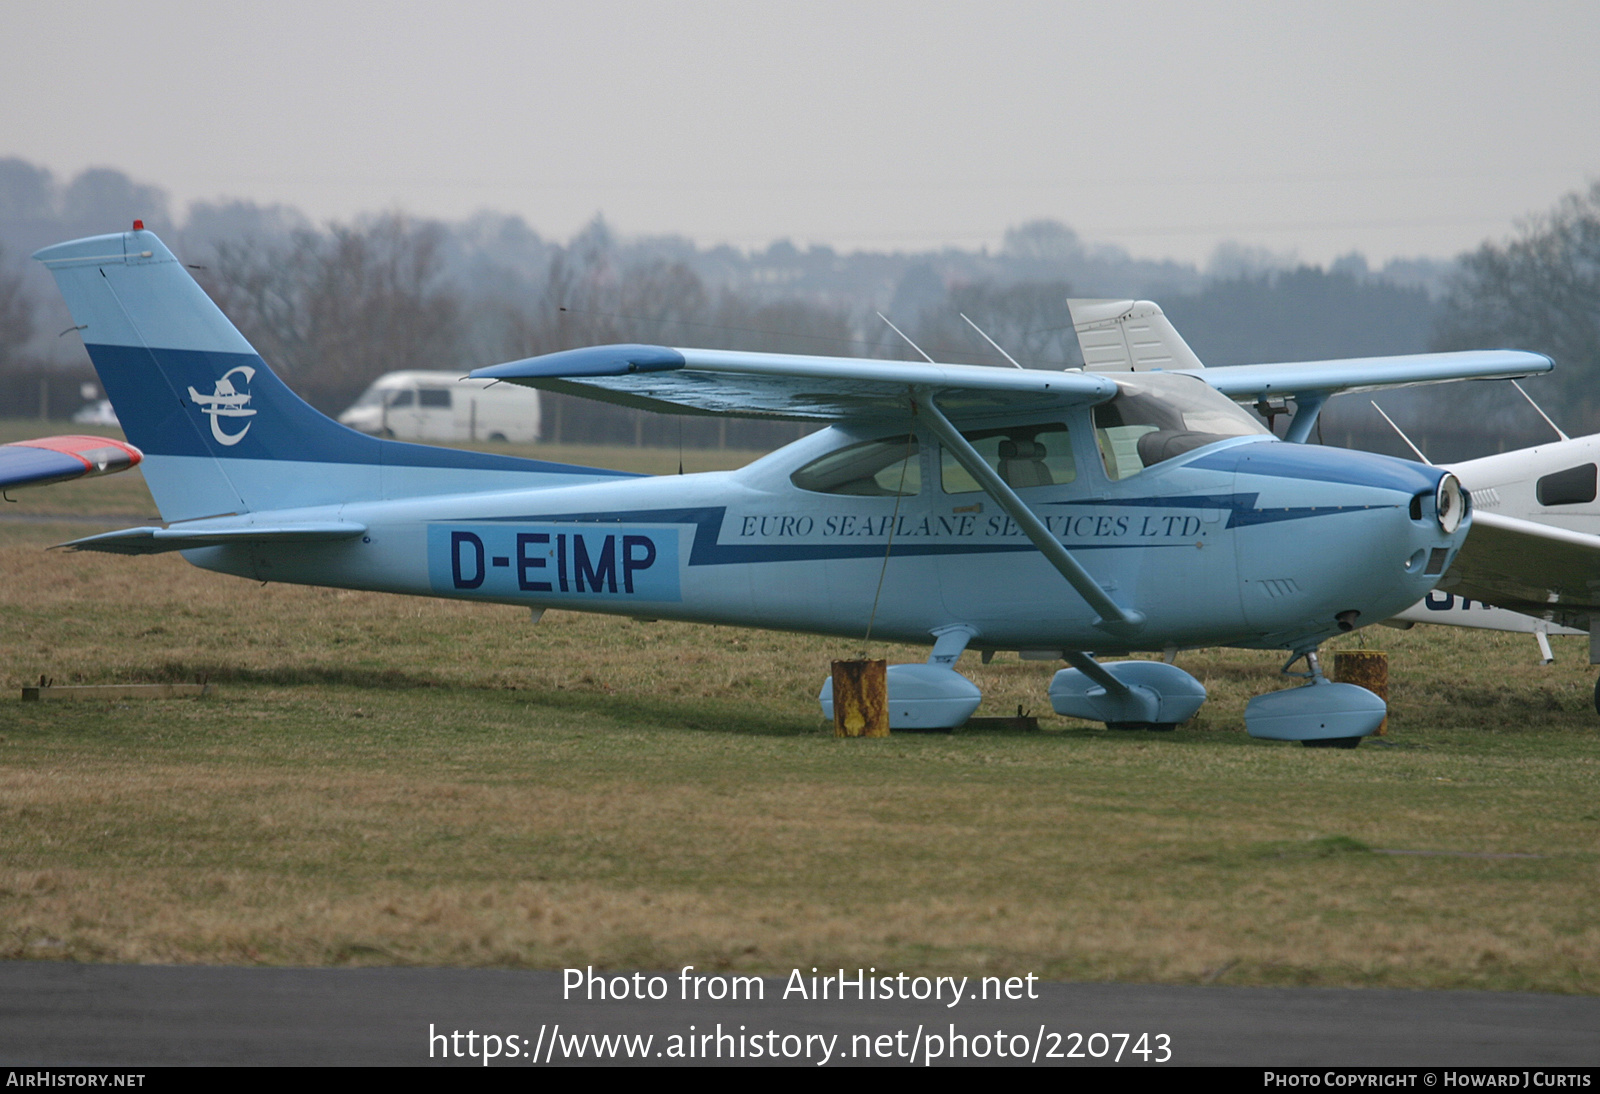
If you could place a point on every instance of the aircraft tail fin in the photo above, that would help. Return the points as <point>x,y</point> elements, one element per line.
<point>1128,336</point>
<point>221,433</point>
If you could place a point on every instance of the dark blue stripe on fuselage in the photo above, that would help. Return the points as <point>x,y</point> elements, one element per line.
<point>708,522</point>
<point>150,391</point>
<point>1241,508</point>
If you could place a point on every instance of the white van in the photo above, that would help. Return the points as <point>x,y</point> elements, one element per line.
<point>441,406</point>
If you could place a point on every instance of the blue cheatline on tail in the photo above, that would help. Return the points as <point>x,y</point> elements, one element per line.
<point>220,432</point>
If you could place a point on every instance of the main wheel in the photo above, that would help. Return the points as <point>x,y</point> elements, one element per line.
<point>1333,742</point>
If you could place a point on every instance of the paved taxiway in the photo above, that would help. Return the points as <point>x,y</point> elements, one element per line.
<point>116,1015</point>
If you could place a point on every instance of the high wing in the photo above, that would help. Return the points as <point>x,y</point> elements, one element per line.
<point>1135,336</point>
<point>1528,567</point>
<point>788,386</point>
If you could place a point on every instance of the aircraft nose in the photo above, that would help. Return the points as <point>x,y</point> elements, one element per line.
<point>1340,539</point>
<point>1315,464</point>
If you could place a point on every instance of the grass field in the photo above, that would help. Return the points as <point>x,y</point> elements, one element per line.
<point>385,780</point>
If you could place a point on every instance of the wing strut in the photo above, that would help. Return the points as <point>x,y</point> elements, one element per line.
<point>1091,668</point>
<point>1307,407</point>
<point>1113,617</point>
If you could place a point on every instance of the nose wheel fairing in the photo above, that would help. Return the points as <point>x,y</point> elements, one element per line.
<point>1319,713</point>
<point>1315,712</point>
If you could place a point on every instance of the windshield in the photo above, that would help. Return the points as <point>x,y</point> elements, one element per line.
<point>1156,417</point>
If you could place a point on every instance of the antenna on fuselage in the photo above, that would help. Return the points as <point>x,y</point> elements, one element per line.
<point>989,340</point>
<point>1540,409</point>
<point>909,342</point>
<point>1402,433</point>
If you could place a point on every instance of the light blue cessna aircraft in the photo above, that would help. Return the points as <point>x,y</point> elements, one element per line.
<point>1079,515</point>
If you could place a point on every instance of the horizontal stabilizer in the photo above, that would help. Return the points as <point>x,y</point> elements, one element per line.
<point>1247,383</point>
<point>151,541</point>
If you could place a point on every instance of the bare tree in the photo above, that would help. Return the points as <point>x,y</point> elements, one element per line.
<point>16,316</point>
<point>265,288</point>
<point>1541,292</point>
<point>1029,319</point>
<point>379,305</point>
<point>333,312</point>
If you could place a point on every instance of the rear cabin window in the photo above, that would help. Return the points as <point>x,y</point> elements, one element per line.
<point>1023,456</point>
<point>1573,486</point>
<point>885,468</point>
<point>434,396</point>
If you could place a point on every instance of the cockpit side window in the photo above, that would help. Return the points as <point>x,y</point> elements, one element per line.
<point>1151,421</point>
<point>1022,455</point>
<point>885,468</point>
<point>1574,486</point>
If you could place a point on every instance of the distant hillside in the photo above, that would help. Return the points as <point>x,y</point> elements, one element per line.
<point>455,295</point>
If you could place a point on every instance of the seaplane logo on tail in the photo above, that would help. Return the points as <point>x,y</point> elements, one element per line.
<point>226,402</point>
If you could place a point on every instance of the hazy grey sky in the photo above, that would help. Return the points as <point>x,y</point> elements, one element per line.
<point>1394,128</point>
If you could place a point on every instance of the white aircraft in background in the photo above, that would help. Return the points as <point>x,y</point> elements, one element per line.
<point>1532,563</point>
<point>1441,608</point>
